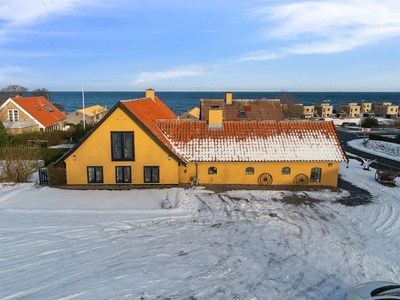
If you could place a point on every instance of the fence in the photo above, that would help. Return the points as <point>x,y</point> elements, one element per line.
<point>43,177</point>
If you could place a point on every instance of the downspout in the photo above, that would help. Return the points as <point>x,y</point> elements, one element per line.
<point>197,174</point>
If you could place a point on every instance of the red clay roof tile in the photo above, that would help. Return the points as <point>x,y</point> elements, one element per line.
<point>36,107</point>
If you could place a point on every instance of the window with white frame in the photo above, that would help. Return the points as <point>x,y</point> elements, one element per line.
<point>13,115</point>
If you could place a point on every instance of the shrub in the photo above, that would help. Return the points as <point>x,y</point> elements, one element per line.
<point>18,163</point>
<point>56,175</point>
<point>369,122</point>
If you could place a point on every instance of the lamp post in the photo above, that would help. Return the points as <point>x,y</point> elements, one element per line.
<point>361,111</point>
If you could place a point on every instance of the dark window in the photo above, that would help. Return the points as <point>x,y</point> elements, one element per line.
<point>123,174</point>
<point>243,114</point>
<point>122,146</point>
<point>151,174</point>
<point>286,171</point>
<point>250,171</point>
<point>315,175</point>
<point>95,174</point>
<point>212,170</point>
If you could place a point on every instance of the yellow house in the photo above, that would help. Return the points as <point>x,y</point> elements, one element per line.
<point>27,114</point>
<point>92,115</point>
<point>143,142</point>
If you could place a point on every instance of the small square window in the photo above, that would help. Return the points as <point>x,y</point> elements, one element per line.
<point>212,170</point>
<point>250,171</point>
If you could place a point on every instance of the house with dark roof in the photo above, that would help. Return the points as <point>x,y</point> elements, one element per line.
<point>26,114</point>
<point>141,141</point>
<point>243,109</point>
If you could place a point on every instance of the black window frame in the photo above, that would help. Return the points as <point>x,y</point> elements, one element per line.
<point>96,169</point>
<point>316,174</point>
<point>285,171</point>
<point>151,174</point>
<point>249,171</point>
<point>119,154</point>
<point>212,171</point>
<point>126,177</point>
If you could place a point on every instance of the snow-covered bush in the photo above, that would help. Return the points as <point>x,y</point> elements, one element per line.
<point>18,163</point>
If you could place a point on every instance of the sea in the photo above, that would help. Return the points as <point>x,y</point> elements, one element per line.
<point>180,102</point>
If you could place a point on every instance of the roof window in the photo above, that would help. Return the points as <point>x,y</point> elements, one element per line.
<point>48,108</point>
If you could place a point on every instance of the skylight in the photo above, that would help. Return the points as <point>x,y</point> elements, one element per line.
<point>48,108</point>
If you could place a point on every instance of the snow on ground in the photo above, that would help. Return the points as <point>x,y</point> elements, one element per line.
<point>380,148</point>
<point>69,244</point>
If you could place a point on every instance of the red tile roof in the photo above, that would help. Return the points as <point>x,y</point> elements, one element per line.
<point>256,110</point>
<point>36,108</point>
<point>254,141</point>
<point>147,110</point>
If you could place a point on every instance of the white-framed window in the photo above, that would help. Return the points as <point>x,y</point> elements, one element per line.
<point>13,115</point>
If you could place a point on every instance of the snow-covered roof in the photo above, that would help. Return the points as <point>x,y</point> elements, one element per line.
<point>254,141</point>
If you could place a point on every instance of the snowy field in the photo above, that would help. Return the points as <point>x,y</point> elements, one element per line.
<point>63,244</point>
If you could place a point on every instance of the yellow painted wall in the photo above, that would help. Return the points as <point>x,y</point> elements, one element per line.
<point>22,117</point>
<point>215,117</point>
<point>96,151</point>
<point>234,173</point>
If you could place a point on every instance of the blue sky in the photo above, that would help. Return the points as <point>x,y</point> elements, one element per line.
<point>220,45</point>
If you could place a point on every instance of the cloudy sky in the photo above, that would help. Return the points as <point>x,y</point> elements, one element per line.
<point>253,45</point>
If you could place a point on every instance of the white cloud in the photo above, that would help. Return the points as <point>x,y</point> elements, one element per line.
<point>184,71</point>
<point>329,26</point>
<point>260,55</point>
<point>18,13</point>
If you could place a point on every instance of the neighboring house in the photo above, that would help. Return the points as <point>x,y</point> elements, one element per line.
<point>323,110</point>
<point>385,109</point>
<point>27,114</point>
<point>143,142</point>
<point>350,110</point>
<point>243,109</point>
<point>308,111</point>
<point>92,115</point>
<point>191,114</point>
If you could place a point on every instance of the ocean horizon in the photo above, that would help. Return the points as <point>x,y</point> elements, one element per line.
<point>181,101</point>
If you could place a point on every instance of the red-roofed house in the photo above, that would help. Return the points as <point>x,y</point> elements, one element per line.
<point>26,114</point>
<point>243,109</point>
<point>142,141</point>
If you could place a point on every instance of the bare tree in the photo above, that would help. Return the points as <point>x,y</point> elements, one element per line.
<point>291,108</point>
<point>45,93</point>
<point>11,91</point>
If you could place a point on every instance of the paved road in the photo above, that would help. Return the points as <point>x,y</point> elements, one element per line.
<point>382,163</point>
